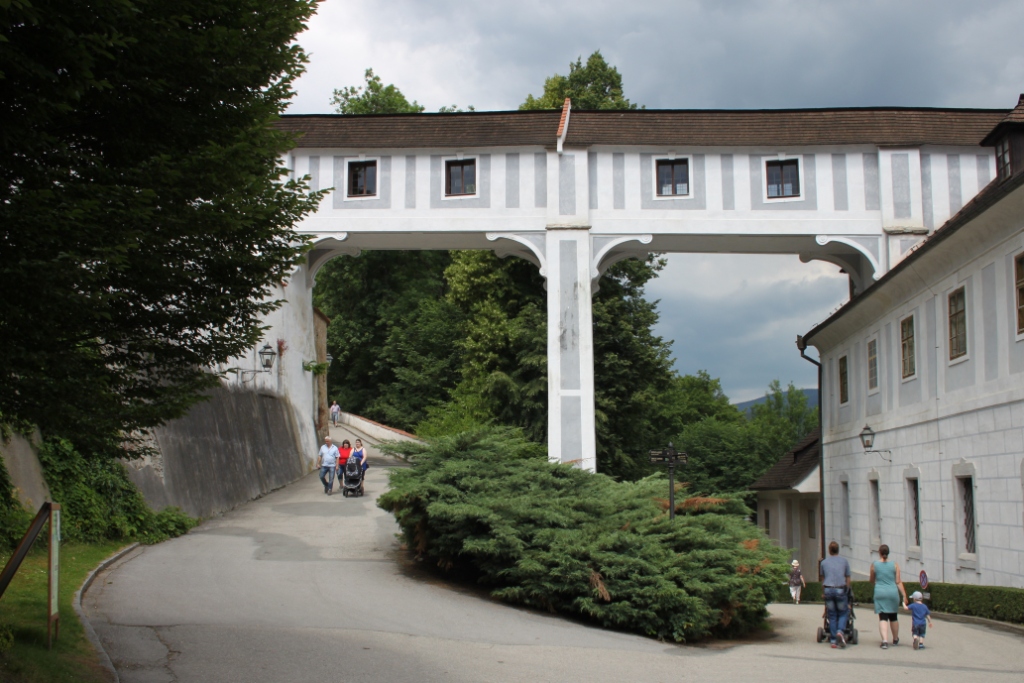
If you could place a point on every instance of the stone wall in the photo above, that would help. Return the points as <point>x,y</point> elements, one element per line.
<point>235,447</point>
<point>19,455</point>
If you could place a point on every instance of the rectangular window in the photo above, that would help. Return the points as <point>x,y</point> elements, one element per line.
<point>876,513</point>
<point>1003,168</point>
<point>907,345</point>
<point>844,501</point>
<point>914,511</point>
<point>362,178</point>
<point>844,380</point>
<point>1019,272</point>
<point>957,324</point>
<point>872,364</point>
<point>966,485</point>
<point>460,177</point>
<point>783,178</point>
<point>812,524</point>
<point>767,522</point>
<point>673,177</point>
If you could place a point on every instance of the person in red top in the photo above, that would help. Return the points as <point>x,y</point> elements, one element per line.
<point>344,451</point>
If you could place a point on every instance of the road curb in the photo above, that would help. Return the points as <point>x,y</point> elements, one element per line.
<point>1006,626</point>
<point>76,602</point>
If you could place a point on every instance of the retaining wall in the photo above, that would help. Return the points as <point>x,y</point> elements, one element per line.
<point>19,455</point>
<point>228,450</point>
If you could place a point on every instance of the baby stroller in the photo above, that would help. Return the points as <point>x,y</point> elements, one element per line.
<point>352,477</point>
<point>825,633</point>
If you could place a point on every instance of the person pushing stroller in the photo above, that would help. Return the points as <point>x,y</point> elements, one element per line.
<point>836,581</point>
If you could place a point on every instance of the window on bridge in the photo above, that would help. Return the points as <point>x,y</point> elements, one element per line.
<point>783,178</point>
<point>673,177</point>
<point>362,178</point>
<point>460,177</point>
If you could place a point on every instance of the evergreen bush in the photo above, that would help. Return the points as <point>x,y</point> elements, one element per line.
<point>14,518</point>
<point>488,505</point>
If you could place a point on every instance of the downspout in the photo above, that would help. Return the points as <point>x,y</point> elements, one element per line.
<point>801,345</point>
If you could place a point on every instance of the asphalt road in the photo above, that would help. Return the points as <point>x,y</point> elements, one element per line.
<point>299,586</point>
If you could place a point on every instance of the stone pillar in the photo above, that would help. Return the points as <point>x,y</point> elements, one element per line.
<point>571,437</point>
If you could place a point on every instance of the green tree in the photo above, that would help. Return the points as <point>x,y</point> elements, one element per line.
<point>784,417</point>
<point>595,85</point>
<point>143,216</point>
<point>373,98</point>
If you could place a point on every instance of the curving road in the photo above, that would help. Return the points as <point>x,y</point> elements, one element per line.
<point>299,586</point>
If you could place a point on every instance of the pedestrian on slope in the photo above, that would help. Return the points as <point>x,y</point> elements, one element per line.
<point>343,453</point>
<point>360,453</point>
<point>335,413</point>
<point>921,619</point>
<point>796,581</point>
<point>836,581</point>
<point>888,593</point>
<point>327,461</point>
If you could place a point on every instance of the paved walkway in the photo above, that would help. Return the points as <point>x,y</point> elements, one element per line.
<point>300,587</point>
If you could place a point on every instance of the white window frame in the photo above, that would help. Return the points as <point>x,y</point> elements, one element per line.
<point>908,378</point>
<point>475,158</point>
<point>365,197</point>
<point>913,474</point>
<point>874,509</point>
<point>1012,277</point>
<point>799,174</point>
<point>967,325</point>
<point>839,378</point>
<point>669,156</point>
<point>964,470</point>
<point>845,515</point>
<point>867,365</point>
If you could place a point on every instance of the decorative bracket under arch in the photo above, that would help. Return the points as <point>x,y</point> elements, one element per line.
<point>530,246</point>
<point>607,250</point>
<point>862,265</point>
<point>324,250</point>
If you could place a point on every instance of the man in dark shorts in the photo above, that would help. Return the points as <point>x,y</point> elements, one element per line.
<point>835,581</point>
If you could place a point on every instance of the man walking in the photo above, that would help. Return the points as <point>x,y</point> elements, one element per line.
<point>835,581</point>
<point>327,461</point>
<point>335,413</point>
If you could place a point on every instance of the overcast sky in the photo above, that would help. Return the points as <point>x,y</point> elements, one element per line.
<point>735,316</point>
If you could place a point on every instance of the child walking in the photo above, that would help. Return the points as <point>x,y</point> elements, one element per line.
<point>796,581</point>
<point>922,618</point>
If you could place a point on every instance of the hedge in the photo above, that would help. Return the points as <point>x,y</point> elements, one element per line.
<point>989,602</point>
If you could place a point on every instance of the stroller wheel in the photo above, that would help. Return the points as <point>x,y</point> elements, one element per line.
<point>853,637</point>
<point>821,634</point>
<point>344,492</point>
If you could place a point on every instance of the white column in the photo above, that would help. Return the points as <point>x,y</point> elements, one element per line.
<point>571,437</point>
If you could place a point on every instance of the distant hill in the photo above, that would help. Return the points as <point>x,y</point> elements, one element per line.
<point>811,394</point>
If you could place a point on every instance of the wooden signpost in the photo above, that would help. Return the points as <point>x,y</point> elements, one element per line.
<point>48,512</point>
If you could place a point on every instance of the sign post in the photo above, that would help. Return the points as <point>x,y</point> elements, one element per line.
<point>671,457</point>
<point>53,610</point>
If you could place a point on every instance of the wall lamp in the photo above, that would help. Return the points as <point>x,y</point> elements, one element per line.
<point>867,439</point>
<point>267,357</point>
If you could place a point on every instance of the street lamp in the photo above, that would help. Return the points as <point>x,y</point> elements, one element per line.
<point>267,355</point>
<point>867,439</point>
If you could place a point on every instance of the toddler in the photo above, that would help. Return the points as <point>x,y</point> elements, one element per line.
<point>922,618</point>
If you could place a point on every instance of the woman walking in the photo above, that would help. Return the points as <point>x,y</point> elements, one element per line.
<point>889,590</point>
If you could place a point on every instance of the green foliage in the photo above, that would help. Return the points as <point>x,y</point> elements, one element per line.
<point>143,213</point>
<point>373,98</point>
<point>99,501</point>
<point>486,504</point>
<point>988,602</point>
<point>6,637</point>
<point>596,85</point>
<point>784,418</point>
<point>14,518</point>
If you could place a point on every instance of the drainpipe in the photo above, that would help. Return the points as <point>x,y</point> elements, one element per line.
<point>801,345</point>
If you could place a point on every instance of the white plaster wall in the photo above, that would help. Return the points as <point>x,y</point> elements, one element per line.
<point>977,419</point>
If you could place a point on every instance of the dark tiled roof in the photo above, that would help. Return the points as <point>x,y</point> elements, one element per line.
<point>871,126</point>
<point>874,126</point>
<point>982,202</point>
<point>384,131</point>
<point>792,467</point>
<point>1014,119</point>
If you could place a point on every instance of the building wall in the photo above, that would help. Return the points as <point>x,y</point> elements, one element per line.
<point>952,419</point>
<point>793,523</point>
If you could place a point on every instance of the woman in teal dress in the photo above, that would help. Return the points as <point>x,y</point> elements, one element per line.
<point>888,593</point>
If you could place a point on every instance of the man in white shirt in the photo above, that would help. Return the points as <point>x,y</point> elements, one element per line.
<point>335,413</point>
<point>327,461</point>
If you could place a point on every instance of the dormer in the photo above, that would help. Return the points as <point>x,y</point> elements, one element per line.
<point>1008,139</point>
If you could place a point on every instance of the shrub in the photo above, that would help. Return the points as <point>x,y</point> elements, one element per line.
<point>99,501</point>
<point>487,504</point>
<point>990,602</point>
<point>14,518</point>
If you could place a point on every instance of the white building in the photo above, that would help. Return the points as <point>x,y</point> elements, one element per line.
<point>931,359</point>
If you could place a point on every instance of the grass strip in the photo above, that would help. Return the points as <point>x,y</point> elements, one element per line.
<point>23,610</point>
